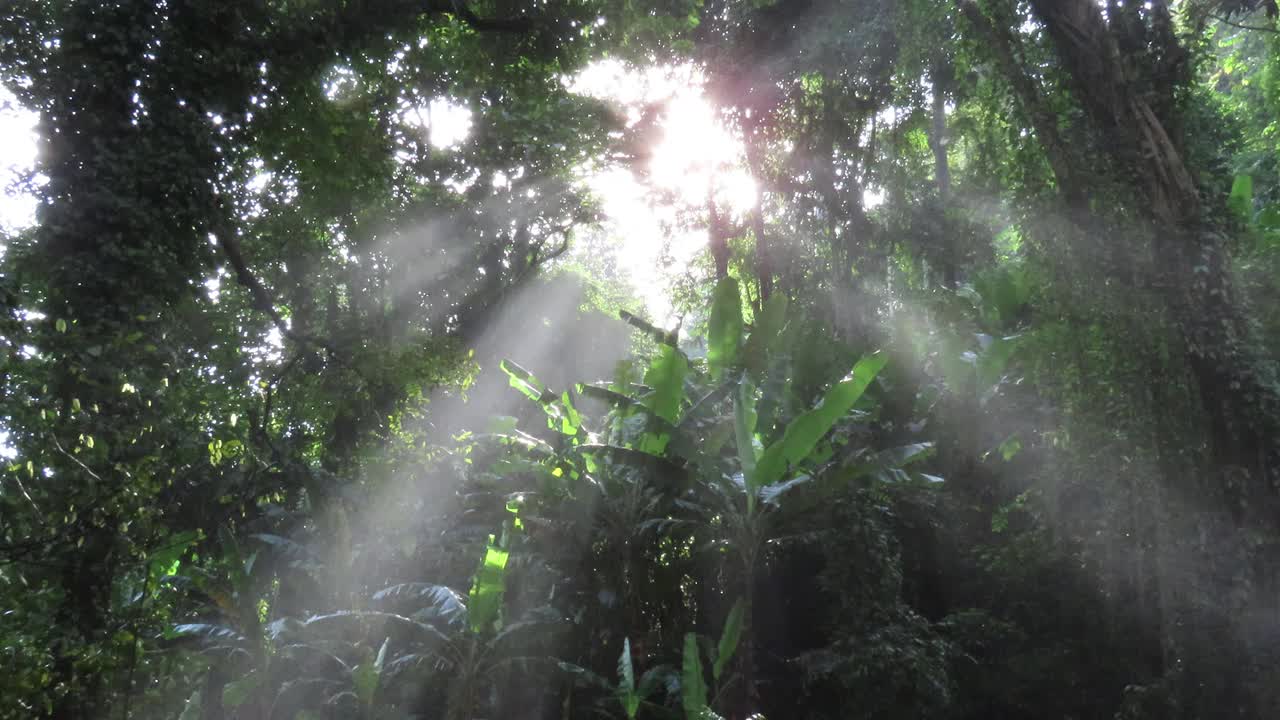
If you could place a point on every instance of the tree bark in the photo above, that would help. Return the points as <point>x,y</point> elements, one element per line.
<point>1212,584</point>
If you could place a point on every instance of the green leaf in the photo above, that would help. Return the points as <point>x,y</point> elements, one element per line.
<point>993,361</point>
<point>658,334</point>
<point>365,676</point>
<point>208,632</point>
<point>165,561</point>
<point>729,638</point>
<point>1010,447</point>
<point>887,464</point>
<point>803,433</point>
<point>766,334</point>
<point>693,686</point>
<point>193,708</point>
<point>485,606</point>
<point>724,334</point>
<point>526,383</point>
<point>60,325</point>
<point>627,681</point>
<point>1241,199</point>
<point>562,416</point>
<point>571,420</point>
<point>237,693</point>
<point>435,601</point>
<point>744,427</point>
<point>666,376</point>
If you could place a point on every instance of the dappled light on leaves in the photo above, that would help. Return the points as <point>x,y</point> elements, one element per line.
<point>463,360</point>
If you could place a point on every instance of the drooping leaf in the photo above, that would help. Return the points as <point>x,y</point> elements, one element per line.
<point>581,673</point>
<point>237,693</point>
<point>658,677</point>
<point>772,494</point>
<point>526,383</point>
<point>660,468</point>
<point>724,332</point>
<point>562,416</point>
<point>658,334</point>
<point>729,638</point>
<point>803,433</point>
<point>605,394</point>
<point>887,464</point>
<point>433,601</point>
<point>208,632</point>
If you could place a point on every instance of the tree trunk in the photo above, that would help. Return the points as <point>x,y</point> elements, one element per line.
<point>1230,487</point>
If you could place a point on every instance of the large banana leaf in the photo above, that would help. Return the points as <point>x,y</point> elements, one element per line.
<point>724,332</point>
<point>801,436</point>
<point>693,686</point>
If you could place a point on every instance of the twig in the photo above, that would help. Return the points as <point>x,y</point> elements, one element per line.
<point>27,495</point>
<point>75,460</point>
<point>262,297</point>
<point>1233,24</point>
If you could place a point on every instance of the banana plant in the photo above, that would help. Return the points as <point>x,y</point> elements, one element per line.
<point>630,693</point>
<point>696,699</point>
<point>723,470</point>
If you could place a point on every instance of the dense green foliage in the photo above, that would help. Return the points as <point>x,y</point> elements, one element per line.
<point>310,409</point>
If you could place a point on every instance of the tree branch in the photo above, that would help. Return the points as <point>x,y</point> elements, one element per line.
<point>1234,24</point>
<point>459,9</point>
<point>262,298</point>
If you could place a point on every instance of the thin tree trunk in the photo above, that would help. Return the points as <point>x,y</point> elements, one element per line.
<point>938,142</point>
<point>764,259</point>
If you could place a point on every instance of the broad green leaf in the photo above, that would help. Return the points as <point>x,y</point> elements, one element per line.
<point>729,638</point>
<point>666,376</point>
<point>764,338</point>
<point>1241,199</point>
<point>803,433</point>
<point>724,333</point>
<point>485,606</point>
<point>237,693</point>
<point>627,681</point>
<point>693,687</point>
<point>571,420</point>
<point>365,676</point>
<point>562,416</point>
<point>526,382</point>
